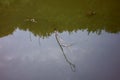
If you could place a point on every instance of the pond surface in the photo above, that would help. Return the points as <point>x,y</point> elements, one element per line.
<point>59,40</point>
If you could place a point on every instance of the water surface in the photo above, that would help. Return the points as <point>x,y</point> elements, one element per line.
<point>30,50</point>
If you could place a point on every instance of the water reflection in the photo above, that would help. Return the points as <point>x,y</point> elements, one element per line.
<point>95,57</point>
<point>61,44</point>
<point>63,15</point>
<point>29,50</point>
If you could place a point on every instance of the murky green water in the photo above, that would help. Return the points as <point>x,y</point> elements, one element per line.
<point>59,40</point>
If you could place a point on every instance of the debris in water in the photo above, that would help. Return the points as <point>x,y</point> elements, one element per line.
<point>31,20</point>
<point>90,13</point>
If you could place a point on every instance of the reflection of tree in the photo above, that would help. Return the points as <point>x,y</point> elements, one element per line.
<point>50,15</point>
<point>60,45</point>
<point>6,31</point>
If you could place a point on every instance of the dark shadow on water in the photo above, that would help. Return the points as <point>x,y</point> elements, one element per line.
<point>39,41</point>
<point>30,36</point>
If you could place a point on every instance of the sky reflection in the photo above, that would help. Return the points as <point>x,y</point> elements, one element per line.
<point>96,56</point>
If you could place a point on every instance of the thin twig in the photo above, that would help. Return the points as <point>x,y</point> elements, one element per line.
<point>70,63</point>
